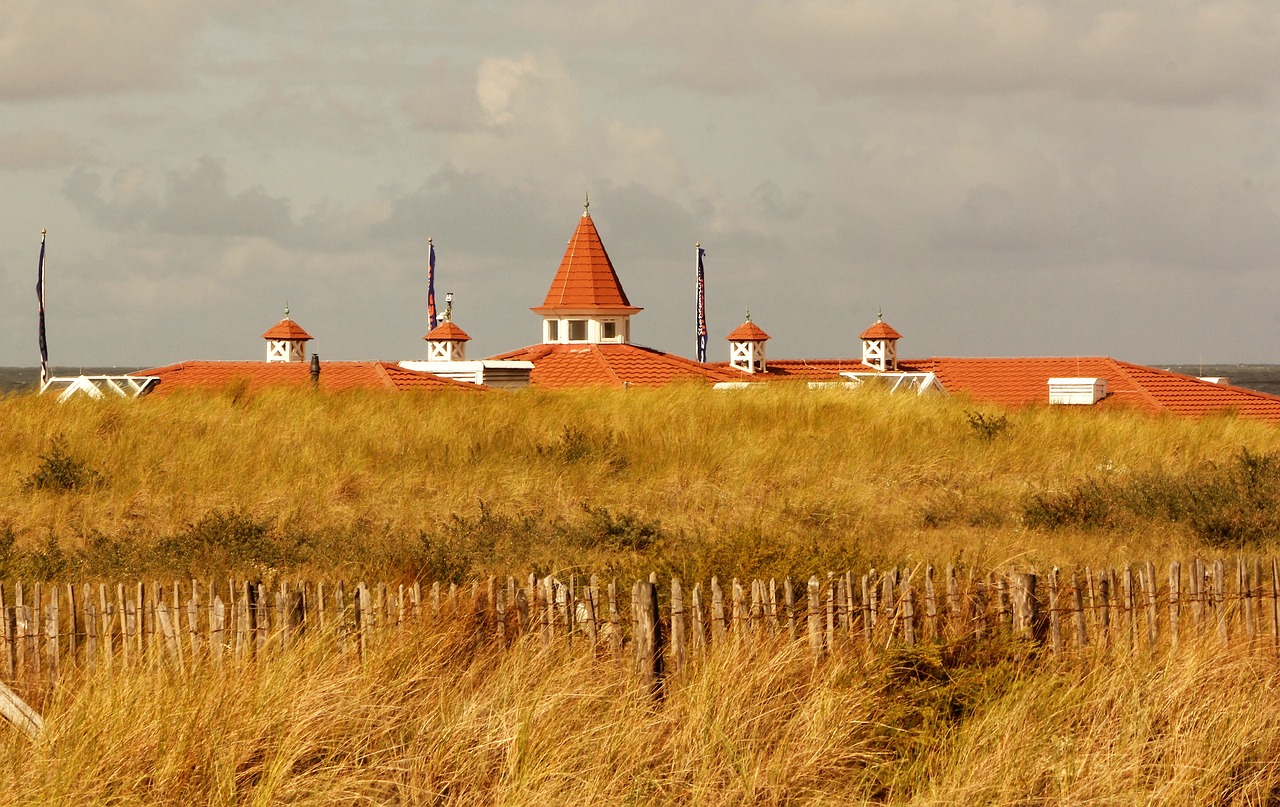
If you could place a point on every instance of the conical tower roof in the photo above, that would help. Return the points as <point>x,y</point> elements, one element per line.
<point>586,281</point>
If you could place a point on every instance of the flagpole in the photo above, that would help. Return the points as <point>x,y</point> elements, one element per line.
<point>701,305</point>
<point>431,284</point>
<point>44,345</point>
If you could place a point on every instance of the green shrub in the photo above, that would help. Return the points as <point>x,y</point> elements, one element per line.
<point>1228,505</point>
<point>987,427</point>
<point>59,471</point>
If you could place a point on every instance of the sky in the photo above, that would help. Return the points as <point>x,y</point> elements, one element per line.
<point>999,177</point>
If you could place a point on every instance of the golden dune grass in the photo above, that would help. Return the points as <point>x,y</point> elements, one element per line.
<point>773,481</point>
<point>433,717</point>
<point>766,482</point>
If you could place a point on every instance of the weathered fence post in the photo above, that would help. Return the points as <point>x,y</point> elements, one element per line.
<point>931,604</point>
<point>1219,601</point>
<point>868,612</point>
<point>830,612</point>
<point>815,625</point>
<point>649,639</point>
<point>908,614</point>
<point>717,612</point>
<point>1077,607</point>
<point>677,625</point>
<point>1275,603</point>
<point>1175,602</point>
<point>1055,623</point>
<point>789,594</point>
<point>699,643</point>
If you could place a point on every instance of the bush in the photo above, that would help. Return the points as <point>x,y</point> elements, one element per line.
<point>1230,505</point>
<point>222,542</point>
<point>59,471</point>
<point>987,427</point>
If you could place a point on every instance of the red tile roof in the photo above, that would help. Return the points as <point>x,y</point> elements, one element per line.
<point>880,330</point>
<point>748,332</point>
<point>1025,381</point>
<point>563,366</point>
<point>334,376</point>
<point>286,329</point>
<point>585,279</point>
<point>447,332</point>
<point>798,370</point>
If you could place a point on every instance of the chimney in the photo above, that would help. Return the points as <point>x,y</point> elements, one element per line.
<point>315,370</point>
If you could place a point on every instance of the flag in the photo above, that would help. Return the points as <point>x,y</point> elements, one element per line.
<point>702,308</point>
<point>44,347</point>
<point>431,284</point>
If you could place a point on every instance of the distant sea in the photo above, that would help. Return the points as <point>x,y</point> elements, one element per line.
<point>1262,377</point>
<point>27,379</point>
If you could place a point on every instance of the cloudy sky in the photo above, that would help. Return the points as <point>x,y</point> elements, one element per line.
<point>1002,177</point>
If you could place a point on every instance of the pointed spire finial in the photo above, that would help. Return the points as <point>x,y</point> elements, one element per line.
<point>586,203</point>
<point>448,306</point>
<point>748,313</point>
<point>879,314</point>
<point>286,309</point>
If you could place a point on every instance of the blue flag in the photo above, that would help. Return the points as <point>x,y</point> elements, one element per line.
<point>431,284</point>
<point>702,308</point>
<point>44,347</point>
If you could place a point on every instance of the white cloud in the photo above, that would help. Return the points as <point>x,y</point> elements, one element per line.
<point>497,83</point>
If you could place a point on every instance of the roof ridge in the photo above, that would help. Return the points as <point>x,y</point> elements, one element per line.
<point>1199,380</point>
<point>608,368</point>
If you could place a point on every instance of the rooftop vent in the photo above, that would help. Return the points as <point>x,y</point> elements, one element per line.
<point>1077,391</point>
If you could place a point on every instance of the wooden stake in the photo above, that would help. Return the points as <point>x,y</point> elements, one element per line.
<point>677,625</point>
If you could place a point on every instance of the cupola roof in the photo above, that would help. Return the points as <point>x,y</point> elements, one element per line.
<point>287,329</point>
<point>880,330</point>
<point>447,332</point>
<point>748,332</point>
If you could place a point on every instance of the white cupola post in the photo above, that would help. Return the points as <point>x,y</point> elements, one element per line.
<point>447,342</point>
<point>880,346</point>
<point>746,347</point>
<point>286,341</point>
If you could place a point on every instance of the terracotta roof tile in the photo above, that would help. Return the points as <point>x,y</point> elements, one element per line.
<point>586,279</point>
<point>880,330</point>
<point>447,332</point>
<point>335,376</point>
<point>748,332</point>
<point>286,329</point>
<point>563,366</point>
<point>797,370</point>
<point>1025,381</point>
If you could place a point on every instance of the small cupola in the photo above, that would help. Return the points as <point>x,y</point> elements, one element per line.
<point>880,346</point>
<point>447,342</point>
<point>286,340</point>
<point>746,347</point>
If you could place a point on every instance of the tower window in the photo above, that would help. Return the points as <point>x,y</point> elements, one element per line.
<point>609,329</point>
<point>577,330</point>
<point>553,330</point>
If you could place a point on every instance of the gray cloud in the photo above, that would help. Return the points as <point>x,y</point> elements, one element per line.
<point>192,203</point>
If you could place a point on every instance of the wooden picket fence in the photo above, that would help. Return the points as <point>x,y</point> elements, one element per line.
<point>49,629</point>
